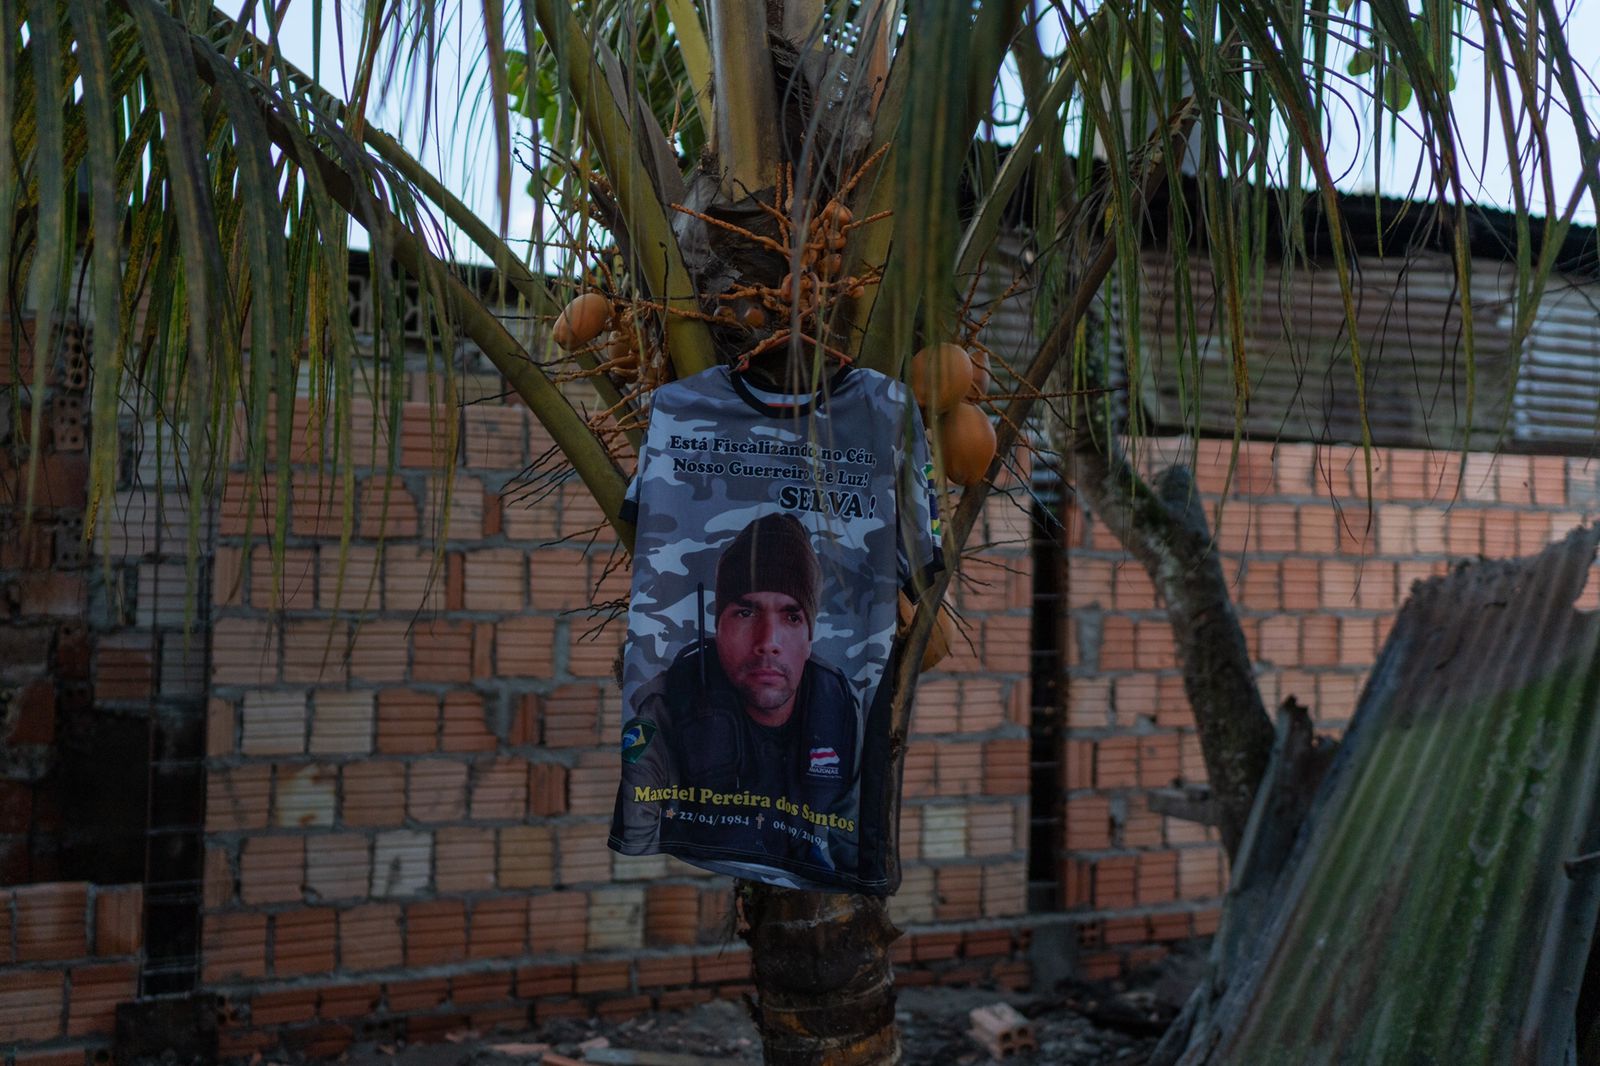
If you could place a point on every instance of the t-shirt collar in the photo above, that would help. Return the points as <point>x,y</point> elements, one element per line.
<point>786,404</point>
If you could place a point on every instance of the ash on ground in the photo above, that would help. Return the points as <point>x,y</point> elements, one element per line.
<point>1077,1024</point>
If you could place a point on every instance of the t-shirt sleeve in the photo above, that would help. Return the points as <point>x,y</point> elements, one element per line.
<point>920,542</point>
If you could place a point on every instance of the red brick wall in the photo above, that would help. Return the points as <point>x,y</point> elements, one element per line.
<point>44,639</point>
<point>1317,575</point>
<point>411,775</point>
<point>69,953</point>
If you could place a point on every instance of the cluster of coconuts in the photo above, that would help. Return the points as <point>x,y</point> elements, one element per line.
<point>821,260</point>
<point>584,319</point>
<point>948,382</point>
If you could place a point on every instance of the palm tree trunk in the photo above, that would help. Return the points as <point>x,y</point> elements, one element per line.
<point>824,983</point>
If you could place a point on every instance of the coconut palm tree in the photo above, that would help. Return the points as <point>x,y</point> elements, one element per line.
<point>783,184</point>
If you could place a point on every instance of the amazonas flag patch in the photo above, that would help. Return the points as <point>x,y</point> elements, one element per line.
<point>824,763</point>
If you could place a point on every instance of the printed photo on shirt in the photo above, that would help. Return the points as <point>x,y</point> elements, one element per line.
<point>773,534</point>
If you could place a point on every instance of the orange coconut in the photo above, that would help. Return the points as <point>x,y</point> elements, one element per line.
<point>582,320</point>
<point>940,376</point>
<point>980,374</point>
<point>966,437</point>
<point>938,641</point>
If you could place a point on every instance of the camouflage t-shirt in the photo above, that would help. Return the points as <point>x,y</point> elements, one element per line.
<point>774,533</point>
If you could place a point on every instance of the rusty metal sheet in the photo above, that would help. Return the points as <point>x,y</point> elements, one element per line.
<point>1432,912</point>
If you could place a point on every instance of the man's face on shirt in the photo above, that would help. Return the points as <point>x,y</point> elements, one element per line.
<point>763,642</point>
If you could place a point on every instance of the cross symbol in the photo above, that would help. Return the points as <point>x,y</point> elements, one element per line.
<point>759,819</point>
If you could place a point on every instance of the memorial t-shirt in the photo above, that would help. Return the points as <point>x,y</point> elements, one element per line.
<point>765,755</point>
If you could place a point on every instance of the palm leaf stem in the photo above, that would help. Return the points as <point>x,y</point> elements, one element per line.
<point>696,53</point>
<point>746,99</point>
<point>577,441</point>
<point>656,252</point>
<point>1057,347</point>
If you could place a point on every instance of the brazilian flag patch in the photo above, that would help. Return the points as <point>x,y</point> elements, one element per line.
<point>636,736</point>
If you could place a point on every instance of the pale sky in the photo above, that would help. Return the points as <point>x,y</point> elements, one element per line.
<point>460,148</point>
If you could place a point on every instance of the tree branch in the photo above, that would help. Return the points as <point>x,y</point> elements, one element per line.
<point>1164,528</point>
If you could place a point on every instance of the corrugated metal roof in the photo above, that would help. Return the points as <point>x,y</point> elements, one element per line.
<point>1411,337</point>
<point>1431,913</point>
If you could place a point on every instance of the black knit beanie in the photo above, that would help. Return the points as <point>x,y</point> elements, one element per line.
<point>771,554</point>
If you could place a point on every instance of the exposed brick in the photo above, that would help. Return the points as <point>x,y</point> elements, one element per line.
<point>413,579</point>
<point>616,918</point>
<point>401,862</point>
<point>239,798</point>
<point>464,859</point>
<point>338,866</point>
<point>416,996</point>
<point>993,829</point>
<point>1114,882</point>
<point>274,723</point>
<point>305,797</point>
<point>52,921</point>
<point>527,857</point>
<point>571,717</point>
<point>500,789</point>
<point>348,1001</point>
<point>494,437</point>
<point>369,937</point>
<point>118,920</point>
<point>407,722</point>
<point>495,580</point>
<point>959,892</point>
<point>380,651</point>
<point>371,791</point>
<point>31,1005</point>
<point>558,923</point>
<point>342,723</point>
<point>233,946</point>
<point>664,971</point>
<point>304,941</point>
<point>682,999</point>
<point>499,928</point>
<point>464,726</point>
<point>547,789</point>
<point>591,654</point>
<point>728,964</point>
<point>934,947</point>
<point>1088,823</point>
<point>536,981</point>
<point>455,512</point>
<point>442,651</point>
<point>558,580</point>
<point>272,869</point>
<point>436,932</point>
<point>1499,534</point>
<point>286,585</point>
<point>1200,873</point>
<point>436,791</point>
<point>477,988</point>
<point>1005,767</point>
<point>387,508</point>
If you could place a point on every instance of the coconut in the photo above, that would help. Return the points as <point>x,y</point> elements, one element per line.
<point>582,320</point>
<point>980,375</point>
<point>938,641</point>
<point>940,376</point>
<point>966,438</point>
